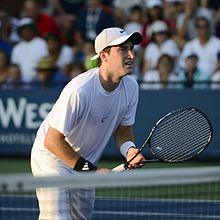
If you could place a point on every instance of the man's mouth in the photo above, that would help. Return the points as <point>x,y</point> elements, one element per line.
<point>129,63</point>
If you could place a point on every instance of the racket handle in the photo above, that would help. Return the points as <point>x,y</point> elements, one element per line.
<point>119,168</point>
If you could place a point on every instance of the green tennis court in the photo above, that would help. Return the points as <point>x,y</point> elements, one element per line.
<point>11,165</point>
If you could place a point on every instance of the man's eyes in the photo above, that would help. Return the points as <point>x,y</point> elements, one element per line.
<point>126,48</point>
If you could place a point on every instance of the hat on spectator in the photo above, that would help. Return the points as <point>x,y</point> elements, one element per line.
<point>46,63</point>
<point>158,26</point>
<point>25,22</point>
<point>190,54</point>
<point>153,3</point>
<point>113,37</point>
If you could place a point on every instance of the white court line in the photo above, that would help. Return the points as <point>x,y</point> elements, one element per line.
<point>139,214</point>
<point>13,209</point>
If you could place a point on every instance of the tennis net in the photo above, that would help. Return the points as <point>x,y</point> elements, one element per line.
<point>180,193</point>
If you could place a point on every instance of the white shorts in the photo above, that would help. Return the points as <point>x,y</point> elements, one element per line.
<point>60,203</point>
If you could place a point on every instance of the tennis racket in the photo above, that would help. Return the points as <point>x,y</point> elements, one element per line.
<point>178,136</point>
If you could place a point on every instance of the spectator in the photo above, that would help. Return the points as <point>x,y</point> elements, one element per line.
<point>49,75</point>
<point>63,54</point>
<point>206,46</point>
<point>154,12</point>
<point>122,11</point>
<point>75,69</point>
<point>135,24</point>
<point>29,51</point>
<point>186,21</point>
<point>215,78</point>
<point>4,63</point>
<point>94,19</point>
<point>192,76</point>
<point>66,13</point>
<point>163,77</point>
<point>8,30</point>
<point>14,78</point>
<point>161,44</point>
<point>44,22</point>
<point>67,9</point>
<point>135,21</point>
<point>172,9</point>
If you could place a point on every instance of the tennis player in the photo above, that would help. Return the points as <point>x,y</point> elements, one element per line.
<point>92,107</point>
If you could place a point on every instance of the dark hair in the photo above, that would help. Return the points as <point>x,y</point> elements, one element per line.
<point>135,8</point>
<point>106,50</point>
<point>171,60</point>
<point>53,36</point>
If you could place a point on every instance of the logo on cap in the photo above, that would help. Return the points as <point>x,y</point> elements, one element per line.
<point>121,31</point>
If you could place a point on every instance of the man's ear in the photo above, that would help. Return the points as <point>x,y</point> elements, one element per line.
<point>103,55</point>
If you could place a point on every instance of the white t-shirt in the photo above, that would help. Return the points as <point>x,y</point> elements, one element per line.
<point>27,55</point>
<point>207,54</point>
<point>153,52</point>
<point>152,81</point>
<point>65,57</point>
<point>88,115</point>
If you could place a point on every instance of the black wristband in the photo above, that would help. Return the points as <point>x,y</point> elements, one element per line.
<point>84,165</point>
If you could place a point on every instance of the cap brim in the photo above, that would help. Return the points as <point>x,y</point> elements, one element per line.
<point>136,38</point>
<point>95,57</point>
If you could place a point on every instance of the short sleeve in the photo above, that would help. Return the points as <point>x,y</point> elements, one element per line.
<point>65,112</point>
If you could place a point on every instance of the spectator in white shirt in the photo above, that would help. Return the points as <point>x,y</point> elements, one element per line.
<point>163,77</point>
<point>186,20</point>
<point>161,44</point>
<point>29,50</point>
<point>206,46</point>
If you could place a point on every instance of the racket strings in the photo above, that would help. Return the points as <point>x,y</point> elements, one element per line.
<point>191,131</point>
<point>181,152</point>
<point>180,136</point>
<point>180,118</point>
<point>180,127</point>
<point>184,154</point>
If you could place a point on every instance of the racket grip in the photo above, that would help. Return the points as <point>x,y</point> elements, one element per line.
<point>119,168</point>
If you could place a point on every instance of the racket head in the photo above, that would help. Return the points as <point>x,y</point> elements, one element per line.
<point>180,135</point>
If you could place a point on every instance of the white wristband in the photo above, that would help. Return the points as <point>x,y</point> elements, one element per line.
<point>125,146</point>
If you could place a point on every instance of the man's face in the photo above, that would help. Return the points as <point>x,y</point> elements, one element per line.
<point>27,33</point>
<point>120,60</point>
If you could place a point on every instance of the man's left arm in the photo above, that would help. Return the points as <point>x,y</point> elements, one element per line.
<point>124,140</point>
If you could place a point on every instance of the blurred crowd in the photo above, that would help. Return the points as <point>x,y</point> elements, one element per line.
<point>48,44</point>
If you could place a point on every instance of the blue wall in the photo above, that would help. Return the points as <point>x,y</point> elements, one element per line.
<point>155,104</point>
<point>21,112</point>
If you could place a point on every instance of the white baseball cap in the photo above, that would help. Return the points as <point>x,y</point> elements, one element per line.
<point>190,53</point>
<point>153,3</point>
<point>113,37</point>
<point>158,26</point>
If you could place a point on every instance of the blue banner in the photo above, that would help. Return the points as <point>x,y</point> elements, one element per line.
<point>22,111</point>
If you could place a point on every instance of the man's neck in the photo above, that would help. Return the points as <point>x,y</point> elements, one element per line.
<point>108,82</point>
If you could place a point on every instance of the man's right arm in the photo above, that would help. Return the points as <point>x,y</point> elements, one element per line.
<point>55,142</point>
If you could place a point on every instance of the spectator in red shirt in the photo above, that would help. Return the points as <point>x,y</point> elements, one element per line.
<point>44,22</point>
